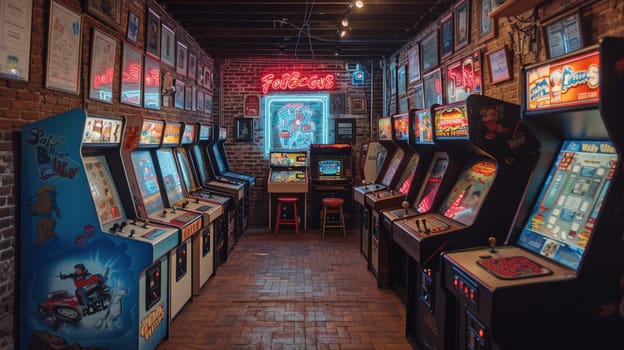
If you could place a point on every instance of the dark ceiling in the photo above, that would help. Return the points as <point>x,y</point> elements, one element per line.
<point>302,28</point>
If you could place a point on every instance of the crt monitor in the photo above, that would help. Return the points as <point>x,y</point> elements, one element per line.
<point>330,167</point>
<point>148,181</point>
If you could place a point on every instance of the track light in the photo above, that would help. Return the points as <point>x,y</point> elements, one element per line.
<point>345,21</point>
<point>359,4</point>
<point>344,32</point>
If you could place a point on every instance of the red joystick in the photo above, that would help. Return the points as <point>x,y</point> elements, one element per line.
<point>164,213</point>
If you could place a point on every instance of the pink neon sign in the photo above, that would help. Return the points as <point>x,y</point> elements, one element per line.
<point>295,81</point>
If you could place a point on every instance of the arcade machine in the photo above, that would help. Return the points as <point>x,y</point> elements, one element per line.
<point>371,159</point>
<point>559,279</point>
<point>331,175</point>
<point>142,138</point>
<point>193,190</point>
<point>427,178</point>
<point>202,255</point>
<point>386,178</point>
<point>91,274</point>
<point>236,190</point>
<point>288,174</point>
<point>483,137</point>
<point>221,170</point>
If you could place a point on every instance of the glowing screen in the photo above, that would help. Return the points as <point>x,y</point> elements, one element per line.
<point>329,167</point>
<point>205,132</point>
<point>218,157</point>
<point>405,182</point>
<point>385,129</point>
<point>393,166</point>
<point>434,179</point>
<point>147,180</point>
<point>170,175</point>
<point>423,132</point>
<point>202,169</point>
<point>186,169</point>
<point>103,190</point>
<point>566,210</point>
<point>223,131</point>
<point>284,176</point>
<point>288,159</point>
<point>102,130</point>
<point>401,126</point>
<point>151,132</point>
<point>171,134</point>
<point>188,136</point>
<point>451,123</point>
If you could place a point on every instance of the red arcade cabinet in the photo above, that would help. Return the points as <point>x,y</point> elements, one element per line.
<point>558,282</point>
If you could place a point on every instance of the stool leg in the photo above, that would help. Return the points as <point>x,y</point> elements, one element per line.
<point>342,222</point>
<point>278,218</point>
<point>296,218</point>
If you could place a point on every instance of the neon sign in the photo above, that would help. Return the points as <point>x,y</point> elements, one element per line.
<point>295,81</point>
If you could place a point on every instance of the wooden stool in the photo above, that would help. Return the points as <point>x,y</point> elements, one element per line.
<point>281,221</point>
<point>332,205</point>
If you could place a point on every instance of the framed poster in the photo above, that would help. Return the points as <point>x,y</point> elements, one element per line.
<point>181,58</point>
<point>446,36</point>
<point>132,32</point>
<point>15,32</point>
<point>243,129</point>
<point>208,83</point>
<point>192,66</point>
<point>108,11</point>
<point>252,105</point>
<point>402,80</point>
<point>337,105</point>
<point>345,130</point>
<point>432,83</point>
<point>413,63</point>
<point>152,34</point>
<point>419,96</point>
<point>429,47</point>
<point>131,75</point>
<point>563,34</point>
<point>188,98</point>
<point>103,54</point>
<point>152,83</point>
<point>462,24</point>
<point>357,104</point>
<point>64,50</point>
<point>499,65</point>
<point>200,101</point>
<point>179,94</point>
<point>200,74</point>
<point>392,76</point>
<point>486,24</point>
<point>208,103</point>
<point>167,46</point>
<point>463,78</point>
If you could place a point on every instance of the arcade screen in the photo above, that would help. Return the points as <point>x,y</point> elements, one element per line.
<point>223,132</point>
<point>295,122</point>
<point>205,132</point>
<point>562,220</point>
<point>470,190</point>
<point>451,123</point>
<point>288,159</point>
<point>202,166</point>
<point>151,132</point>
<point>423,132</point>
<point>102,130</point>
<point>393,166</point>
<point>170,175</point>
<point>171,135</point>
<point>401,126</point>
<point>218,157</point>
<point>188,135</point>
<point>147,179</point>
<point>434,179</point>
<point>186,169</point>
<point>405,181</point>
<point>284,176</point>
<point>103,190</point>
<point>329,167</point>
<point>384,129</point>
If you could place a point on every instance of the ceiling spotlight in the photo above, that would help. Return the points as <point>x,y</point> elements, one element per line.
<point>345,21</point>
<point>344,33</point>
<point>359,4</point>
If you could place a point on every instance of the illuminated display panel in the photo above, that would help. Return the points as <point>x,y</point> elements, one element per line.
<point>102,130</point>
<point>384,129</point>
<point>423,131</point>
<point>202,169</point>
<point>401,126</point>
<point>151,132</point>
<point>188,135</point>
<point>393,166</point>
<point>562,220</point>
<point>405,181</point>
<point>186,170</point>
<point>288,159</point>
<point>329,167</point>
<point>147,179</point>
<point>170,175</point>
<point>103,190</point>
<point>283,176</point>
<point>434,179</point>
<point>223,133</point>
<point>205,133</point>
<point>451,123</point>
<point>294,122</point>
<point>171,135</point>
<point>464,201</point>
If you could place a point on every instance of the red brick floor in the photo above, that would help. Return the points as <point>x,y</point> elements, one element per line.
<point>291,292</point>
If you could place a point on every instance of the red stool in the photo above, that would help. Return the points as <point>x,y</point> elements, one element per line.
<point>332,205</point>
<point>292,221</point>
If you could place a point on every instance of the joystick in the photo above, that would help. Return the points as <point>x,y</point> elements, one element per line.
<point>492,242</point>
<point>405,205</point>
<point>164,213</point>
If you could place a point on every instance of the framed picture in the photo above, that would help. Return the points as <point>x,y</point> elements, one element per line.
<point>200,75</point>
<point>103,54</point>
<point>392,76</point>
<point>402,80</point>
<point>200,101</point>
<point>179,94</point>
<point>16,18</point>
<point>64,50</point>
<point>419,96</point>
<point>487,24</point>
<point>462,24</point>
<point>243,129</point>
<point>413,63</point>
<point>152,34</point>
<point>337,105</point>
<point>432,84</point>
<point>563,34</point>
<point>357,104</point>
<point>133,28</point>
<point>499,65</point>
<point>429,47</point>
<point>252,105</point>
<point>403,104</point>
<point>345,130</point>
<point>188,98</point>
<point>151,84</point>
<point>463,77</point>
<point>192,66</point>
<point>181,58</point>
<point>208,82</point>
<point>207,103</point>
<point>446,36</point>
<point>131,75</point>
<point>167,46</point>
<point>108,11</point>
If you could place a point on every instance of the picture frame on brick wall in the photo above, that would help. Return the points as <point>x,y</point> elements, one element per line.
<point>563,34</point>
<point>429,49</point>
<point>337,105</point>
<point>207,103</point>
<point>446,36</point>
<point>200,101</point>
<point>107,11</point>
<point>179,94</point>
<point>192,66</point>
<point>64,50</point>
<point>152,84</point>
<point>413,59</point>
<point>462,24</point>
<point>16,40</point>
<point>103,54</point>
<point>419,96</point>
<point>131,77</point>
<point>357,104</point>
<point>243,129</point>
<point>167,46</point>
<point>181,58</point>
<point>132,32</point>
<point>487,24</point>
<point>432,83</point>
<point>499,65</point>
<point>152,34</point>
<point>188,98</point>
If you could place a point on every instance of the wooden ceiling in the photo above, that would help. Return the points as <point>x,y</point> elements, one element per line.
<point>302,28</point>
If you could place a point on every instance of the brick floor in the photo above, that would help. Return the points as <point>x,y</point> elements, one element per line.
<point>292,292</point>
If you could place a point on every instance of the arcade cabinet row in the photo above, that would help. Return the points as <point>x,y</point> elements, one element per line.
<point>543,179</point>
<point>123,221</point>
